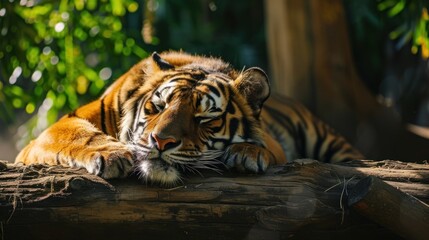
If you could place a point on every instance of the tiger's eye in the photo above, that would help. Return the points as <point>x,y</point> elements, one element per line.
<point>153,108</point>
<point>159,106</point>
<point>198,119</point>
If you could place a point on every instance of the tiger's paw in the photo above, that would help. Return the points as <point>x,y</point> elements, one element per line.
<point>246,157</point>
<point>109,164</point>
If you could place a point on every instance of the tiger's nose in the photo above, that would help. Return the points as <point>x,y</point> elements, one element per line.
<point>164,143</point>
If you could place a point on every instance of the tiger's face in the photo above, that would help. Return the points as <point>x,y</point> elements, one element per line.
<point>186,117</point>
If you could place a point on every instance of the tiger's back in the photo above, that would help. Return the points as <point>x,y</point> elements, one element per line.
<point>302,135</point>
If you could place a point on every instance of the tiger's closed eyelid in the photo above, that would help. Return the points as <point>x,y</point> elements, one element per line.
<point>202,119</point>
<point>205,119</point>
<point>159,107</point>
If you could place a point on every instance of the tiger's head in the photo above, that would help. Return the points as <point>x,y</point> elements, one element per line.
<point>187,110</point>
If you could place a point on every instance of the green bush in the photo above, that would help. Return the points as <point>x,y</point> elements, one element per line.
<point>56,55</point>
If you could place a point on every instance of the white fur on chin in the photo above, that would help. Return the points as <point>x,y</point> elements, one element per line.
<point>156,171</point>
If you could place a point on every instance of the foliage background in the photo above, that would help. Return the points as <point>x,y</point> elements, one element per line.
<point>390,42</point>
<point>58,54</point>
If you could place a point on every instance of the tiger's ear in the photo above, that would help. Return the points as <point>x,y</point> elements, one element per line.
<point>161,63</point>
<point>254,86</point>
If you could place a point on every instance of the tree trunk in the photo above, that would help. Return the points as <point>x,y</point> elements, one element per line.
<point>311,61</point>
<point>305,199</point>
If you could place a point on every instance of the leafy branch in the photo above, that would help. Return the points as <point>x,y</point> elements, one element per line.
<point>55,55</point>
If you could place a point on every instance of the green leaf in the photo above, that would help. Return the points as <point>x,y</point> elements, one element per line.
<point>118,8</point>
<point>60,101</point>
<point>397,8</point>
<point>91,4</point>
<point>386,4</point>
<point>16,91</point>
<point>140,52</point>
<point>30,108</point>
<point>79,4</point>
<point>17,103</point>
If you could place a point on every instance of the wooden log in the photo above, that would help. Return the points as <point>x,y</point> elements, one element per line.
<point>400,212</point>
<point>306,199</point>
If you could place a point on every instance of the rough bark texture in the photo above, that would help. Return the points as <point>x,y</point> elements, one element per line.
<point>306,199</point>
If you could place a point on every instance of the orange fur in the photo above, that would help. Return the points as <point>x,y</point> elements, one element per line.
<point>135,120</point>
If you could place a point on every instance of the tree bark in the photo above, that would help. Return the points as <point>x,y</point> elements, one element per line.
<point>305,199</point>
<point>311,61</point>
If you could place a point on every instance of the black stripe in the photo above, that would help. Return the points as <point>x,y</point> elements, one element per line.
<point>230,108</point>
<point>112,116</point>
<point>333,148</point>
<point>233,126</point>
<point>119,106</point>
<point>212,110</point>
<point>248,131</point>
<point>198,75</point>
<point>72,114</point>
<point>197,101</point>
<point>210,97</point>
<point>222,88</point>
<point>103,117</point>
<point>260,162</point>
<point>57,158</point>
<point>213,90</point>
<point>162,64</point>
<point>214,102</point>
<point>297,109</point>
<point>320,139</point>
<point>168,99</point>
<point>136,113</point>
<point>244,160</point>
<point>130,93</point>
<point>301,141</point>
<point>282,120</point>
<point>141,124</point>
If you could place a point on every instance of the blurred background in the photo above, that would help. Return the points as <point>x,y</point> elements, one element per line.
<point>360,65</point>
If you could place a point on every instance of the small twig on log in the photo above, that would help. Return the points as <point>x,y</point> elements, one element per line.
<point>16,194</point>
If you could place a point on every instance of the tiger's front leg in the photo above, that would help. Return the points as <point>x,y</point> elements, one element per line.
<point>246,157</point>
<point>75,142</point>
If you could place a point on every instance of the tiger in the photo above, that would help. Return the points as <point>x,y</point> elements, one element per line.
<point>174,113</point>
